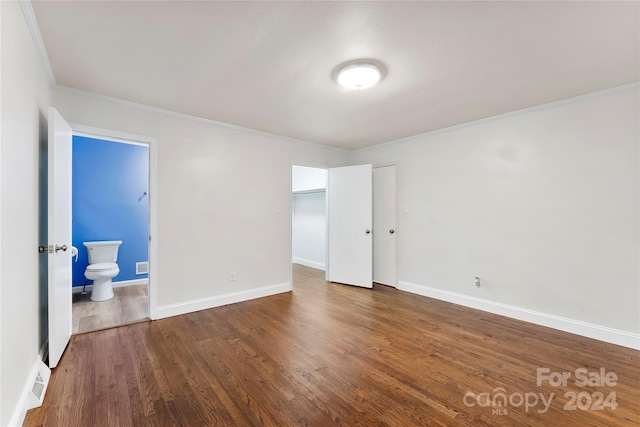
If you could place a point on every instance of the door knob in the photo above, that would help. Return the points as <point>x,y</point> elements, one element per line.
<point>368,231</point>
<point>61,248</point>
<point>392,231</point>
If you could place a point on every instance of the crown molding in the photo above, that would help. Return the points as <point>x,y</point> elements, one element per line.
<point>192,118</point>
<point>32,24</point>
<point>504,116</point>
<point>34,29</point>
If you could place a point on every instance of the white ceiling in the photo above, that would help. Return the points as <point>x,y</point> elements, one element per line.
<point>269,65</point>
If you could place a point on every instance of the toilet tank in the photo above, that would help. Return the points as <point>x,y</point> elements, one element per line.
<point>104,251</point>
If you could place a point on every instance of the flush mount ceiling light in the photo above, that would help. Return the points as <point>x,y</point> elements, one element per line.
<point>359,76</point>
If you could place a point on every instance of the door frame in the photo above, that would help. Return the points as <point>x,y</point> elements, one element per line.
<point>327,167</point>
<point>151,142</point>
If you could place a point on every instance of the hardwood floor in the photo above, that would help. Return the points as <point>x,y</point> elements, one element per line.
<point>129,304</point>
<point>329,354</point>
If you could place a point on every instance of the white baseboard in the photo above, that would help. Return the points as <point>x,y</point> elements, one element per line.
<point>590,330</point>
<point>133,282</point>
<point>26,401</point>
<point>309,263</point>
<point>122,284</point>
<point>217,301</point>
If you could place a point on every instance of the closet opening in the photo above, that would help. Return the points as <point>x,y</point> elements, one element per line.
<point>309,217</point>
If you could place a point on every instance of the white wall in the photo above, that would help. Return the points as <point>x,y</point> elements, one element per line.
<point>223,201</point>
<point>1,139</point>
<point>308,178</point>
<point>543,204</point>
<point>309,230</point>
<point>24,96</point>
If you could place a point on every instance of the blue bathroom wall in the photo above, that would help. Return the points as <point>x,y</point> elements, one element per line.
<point>109,202</point>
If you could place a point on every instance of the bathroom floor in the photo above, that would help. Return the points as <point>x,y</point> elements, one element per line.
<point>128,305</point>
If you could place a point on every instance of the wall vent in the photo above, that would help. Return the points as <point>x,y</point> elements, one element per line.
<point>142,267</point>
<point>39,387</point>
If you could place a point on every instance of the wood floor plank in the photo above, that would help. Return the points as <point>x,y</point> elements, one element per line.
<point>332,355</point>
<point>128,305</point>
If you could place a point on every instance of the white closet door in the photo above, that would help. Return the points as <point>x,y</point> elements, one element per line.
<point>384,223</point>
<point>350,239</point>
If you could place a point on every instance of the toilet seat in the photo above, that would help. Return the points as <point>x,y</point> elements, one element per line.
<point>102,266</point>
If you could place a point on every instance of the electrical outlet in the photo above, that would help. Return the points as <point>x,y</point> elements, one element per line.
<point>477,281</point>
<point>232,276</point>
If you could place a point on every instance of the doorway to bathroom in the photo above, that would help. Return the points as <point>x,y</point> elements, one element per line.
<point>110,202</point>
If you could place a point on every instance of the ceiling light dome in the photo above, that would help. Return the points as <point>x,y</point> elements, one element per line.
<point>359,76</point>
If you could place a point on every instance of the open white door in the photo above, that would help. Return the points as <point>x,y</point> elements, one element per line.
<point>349,209</point>
<point>384,222</point>
<point>59,225</point>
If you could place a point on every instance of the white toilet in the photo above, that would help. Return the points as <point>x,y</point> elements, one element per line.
<point>102,267</point>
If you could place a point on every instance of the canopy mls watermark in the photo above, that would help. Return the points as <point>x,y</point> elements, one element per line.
<point>592,399</point>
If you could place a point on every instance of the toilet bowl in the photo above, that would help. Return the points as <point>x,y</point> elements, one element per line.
<point>102,267</point>
<point>101,274</point>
